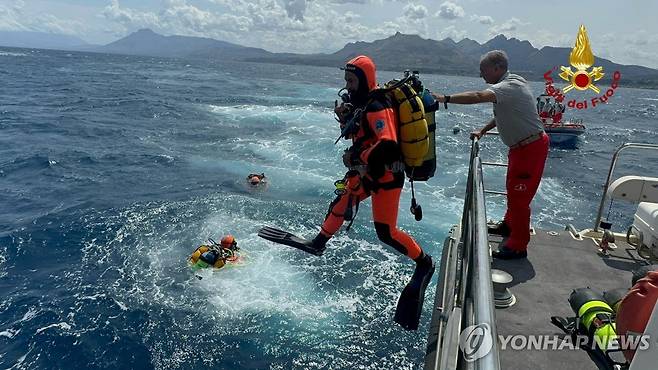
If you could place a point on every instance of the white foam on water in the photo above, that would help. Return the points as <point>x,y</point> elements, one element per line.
<point>548,206</point>
<point>9,333</point>
<point>30,314</point>
<point>3,260</point>
<point>11,54</point>
<point>298,116</point>
<point>60,325</point>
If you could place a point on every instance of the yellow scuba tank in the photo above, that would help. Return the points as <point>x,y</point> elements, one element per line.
<point>194,258</point>
<point>416,130</point>
<point>412,125</point>
<point>426,170</point>
<point>416,125</point>
<point>197,253</point>
<point>595,315</point>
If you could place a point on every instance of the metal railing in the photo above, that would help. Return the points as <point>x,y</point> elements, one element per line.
<point>625,146</point>
<point>467,292</point>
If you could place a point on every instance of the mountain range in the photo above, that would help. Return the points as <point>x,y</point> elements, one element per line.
<point>395,53</point>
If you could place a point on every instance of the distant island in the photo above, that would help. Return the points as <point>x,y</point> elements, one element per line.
<point>395,53</point>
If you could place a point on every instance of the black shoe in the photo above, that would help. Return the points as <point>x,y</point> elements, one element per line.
<point>424,266</point>
<point>315,246</point>
<point>410,304</point>
<point>319,243</point>
<point>505,253</point>
<point>500,228</point>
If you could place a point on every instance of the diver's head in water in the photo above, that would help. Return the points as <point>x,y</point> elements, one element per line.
<point>360,78</point>
<point>255,179</point>
<point>228,242</point>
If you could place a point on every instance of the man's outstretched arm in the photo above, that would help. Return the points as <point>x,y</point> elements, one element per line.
<point>468,97</point>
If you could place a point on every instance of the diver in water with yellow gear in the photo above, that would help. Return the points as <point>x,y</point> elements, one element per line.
<point>368,117</point>
<point>214,254</point>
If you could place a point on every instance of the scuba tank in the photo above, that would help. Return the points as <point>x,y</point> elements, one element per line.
<point>415,109</point>
<point>427,169</point>
<point>417,133</point>
<point>595,317</point>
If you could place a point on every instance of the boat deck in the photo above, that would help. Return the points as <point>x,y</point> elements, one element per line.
<point>556,264</point>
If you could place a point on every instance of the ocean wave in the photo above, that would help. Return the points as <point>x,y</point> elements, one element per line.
<point>297,112</point>
<point>26,164</point>
<point>60,325</point>
<point>11,54</point>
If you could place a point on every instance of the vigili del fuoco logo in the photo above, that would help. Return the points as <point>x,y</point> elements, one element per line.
<point>583,78</point>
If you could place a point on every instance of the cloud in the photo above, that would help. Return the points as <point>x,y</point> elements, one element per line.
<point>449,10</point>
<point>291,26</point>
<point>350,1</point>
<point>636,48</point>
<point>130,18</point>
<point>10,15</point>
<point>510,25</point>
<point>295,8</point>
<point>451,32</point>
<point>482,19</point>
<point>177,17</point>
<point>541,37</point>
<point>13,16</point>
<point>307,26</point>
<point>415,11</point>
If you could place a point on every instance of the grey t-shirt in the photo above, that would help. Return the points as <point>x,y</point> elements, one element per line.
<point>515,109</point>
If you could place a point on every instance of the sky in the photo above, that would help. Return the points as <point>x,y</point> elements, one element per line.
<point>623,31</point>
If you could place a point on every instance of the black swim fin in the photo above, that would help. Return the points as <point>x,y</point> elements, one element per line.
<point>291,240</point>
<point>410,304</point>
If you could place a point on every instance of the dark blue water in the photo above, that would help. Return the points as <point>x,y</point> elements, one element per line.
<point>114,168</point>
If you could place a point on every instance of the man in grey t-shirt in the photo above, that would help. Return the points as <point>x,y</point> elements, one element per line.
<point>519,126</point>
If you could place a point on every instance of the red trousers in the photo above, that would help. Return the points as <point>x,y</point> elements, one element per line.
<point>385,204</point>
<point>525,166</point>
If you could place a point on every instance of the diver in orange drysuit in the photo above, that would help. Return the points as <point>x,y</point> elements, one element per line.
<point>373,152</point>
<point>375,171</point>
<point>367,117</point>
